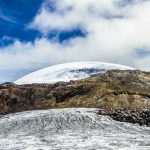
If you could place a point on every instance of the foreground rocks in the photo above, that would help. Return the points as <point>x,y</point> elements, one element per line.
<point>141,117</point>
<point>111,90</point>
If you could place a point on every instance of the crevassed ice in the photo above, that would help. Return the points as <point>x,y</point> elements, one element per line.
<point>69,129</point>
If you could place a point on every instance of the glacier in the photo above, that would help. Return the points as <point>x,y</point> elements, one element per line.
<point>70,129</point>
<point>68,71</point>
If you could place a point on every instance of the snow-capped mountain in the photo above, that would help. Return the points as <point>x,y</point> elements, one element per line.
<point>68,71</point>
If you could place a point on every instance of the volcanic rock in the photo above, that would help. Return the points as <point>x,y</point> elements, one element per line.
<point>114,89</point>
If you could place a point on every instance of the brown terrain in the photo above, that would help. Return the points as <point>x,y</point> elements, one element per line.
<point>109,91</point>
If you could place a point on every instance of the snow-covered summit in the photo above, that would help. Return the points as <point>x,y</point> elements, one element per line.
<point>68,71</point>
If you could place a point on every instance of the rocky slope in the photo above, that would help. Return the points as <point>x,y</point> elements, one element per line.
<point>139,116</point>
<point>110,90</point>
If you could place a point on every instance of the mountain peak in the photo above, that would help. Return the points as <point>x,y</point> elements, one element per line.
<point>69,71</point>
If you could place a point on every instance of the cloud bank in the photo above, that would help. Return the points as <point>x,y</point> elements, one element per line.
<point>116,31</point>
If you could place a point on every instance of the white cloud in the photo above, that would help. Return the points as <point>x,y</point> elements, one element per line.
<point>109,39</point>
<point>116,39</point>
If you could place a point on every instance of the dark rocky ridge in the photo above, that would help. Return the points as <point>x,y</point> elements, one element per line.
<point>111,90</point>
<point>139,116</point>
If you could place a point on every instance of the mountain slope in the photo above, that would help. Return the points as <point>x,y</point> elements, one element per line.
<point>113,89</point>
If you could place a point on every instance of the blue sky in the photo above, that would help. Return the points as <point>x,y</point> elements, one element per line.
<point>14,16</point>
<point>39,33</point>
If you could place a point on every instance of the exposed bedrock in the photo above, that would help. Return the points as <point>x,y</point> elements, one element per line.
<point>111,90</point>
<point>139,116</point>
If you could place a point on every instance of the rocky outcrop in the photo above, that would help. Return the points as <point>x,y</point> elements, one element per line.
<point>139,116</point>
<point>110,90</point>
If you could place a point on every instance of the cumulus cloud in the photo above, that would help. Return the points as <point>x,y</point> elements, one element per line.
<point>116,30</point>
